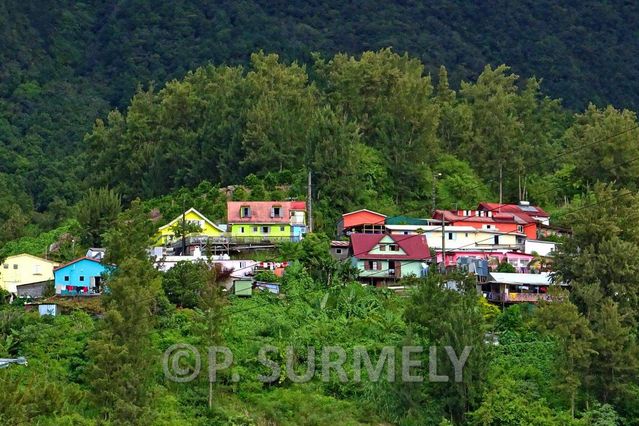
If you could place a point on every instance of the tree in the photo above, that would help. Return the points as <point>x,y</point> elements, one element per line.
<point>563,321</point>
<point>122,354</point>
<point>602,257</point>
<point>604,146</point>
<point>184,282</point>
<point>617,363</point>
<point>446,317</point>
<point>97,212</point>
<point>211,303</point>
<point>494,145</point>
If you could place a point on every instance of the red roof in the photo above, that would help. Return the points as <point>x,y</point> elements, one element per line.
<point>414,246</point>
<point>362,217</point>
<point>495,217</point>
<point>75,261</point>
<point>261,211</point>
<point>528,210</point>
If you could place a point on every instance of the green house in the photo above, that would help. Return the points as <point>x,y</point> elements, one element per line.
<point>243,287</point>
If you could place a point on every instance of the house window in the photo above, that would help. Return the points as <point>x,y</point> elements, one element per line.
<point>193,222</point>
<point>338,251</point>
<point>281,229</point>
<point>264,229</point>
<point>245,211</point>
<point>496,239</point>
<point>241,229</point>
<point>6,266</point>
<point>66,278</point>
<point>15,266</point>
<point>466,234</point>
<point>81,277</point>
<point>276,211</point>
<point>372,265</point>
<point>382,247</point>
<point>488,227</point>
<point>393,247</point>
<point>452,236</point>
<point>520,228</point>
<point>36,269</point>
<point>255,229</point>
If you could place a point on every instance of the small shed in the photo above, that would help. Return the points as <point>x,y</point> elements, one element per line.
<point>33,290</point>
<point>243,287</point>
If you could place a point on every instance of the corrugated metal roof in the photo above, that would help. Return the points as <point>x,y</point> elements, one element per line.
<point>414,246</point>
<point>540,279</point>
<point>261,211</point>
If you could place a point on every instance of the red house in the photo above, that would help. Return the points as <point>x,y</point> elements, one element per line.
<point>361,221</point>
<point>383,259</point>
<point>508,218</point>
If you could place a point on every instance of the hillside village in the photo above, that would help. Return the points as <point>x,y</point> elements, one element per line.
<point>507,247</point>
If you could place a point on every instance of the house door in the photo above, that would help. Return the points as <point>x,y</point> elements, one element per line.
<point>97,284</point>
<point>398,269</point>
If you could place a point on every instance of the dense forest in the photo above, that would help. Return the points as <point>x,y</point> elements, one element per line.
<point>61,70</point>
<point>116,116</point>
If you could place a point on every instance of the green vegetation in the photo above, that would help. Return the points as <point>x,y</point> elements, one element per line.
<point>116,116</point>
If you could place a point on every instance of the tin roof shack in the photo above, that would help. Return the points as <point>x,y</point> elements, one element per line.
<point>34,290</point>
<point>506,287</point>
<point>339,249</point>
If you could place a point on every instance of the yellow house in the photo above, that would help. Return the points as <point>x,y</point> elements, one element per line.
<point>166,233</point>
<point>24,269</point>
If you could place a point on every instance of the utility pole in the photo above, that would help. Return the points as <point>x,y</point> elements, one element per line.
<point>183,224</point>
<point>443,267</point>
<point>501,191</point>
<point>443,244</point>
<point>309,202</point>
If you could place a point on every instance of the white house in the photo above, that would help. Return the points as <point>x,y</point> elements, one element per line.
<point>462,237</point>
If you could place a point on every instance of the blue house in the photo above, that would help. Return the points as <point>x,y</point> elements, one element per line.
<point>81,277</point>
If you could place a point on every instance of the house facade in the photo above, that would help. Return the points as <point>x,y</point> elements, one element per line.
<point>462,237</point>
<point>383,259</point>
<point>268,221</point>
<point>490,221</point>
<point>24,269</point>
<point>166,233</point>
<point>81,277</point>
<point>362,221</point>
<point>507,288</point>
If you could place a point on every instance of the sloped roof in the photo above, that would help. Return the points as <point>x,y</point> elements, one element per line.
<point>406,220</point>
<point>192,210</point>
<point>496,217</point>
<point>363,210</point>
<point>261,211</point>
<point>414,246</point>
<point>30,255</point>
<point>76,261</point>
<point>514,208</point>
<point>543,278</point>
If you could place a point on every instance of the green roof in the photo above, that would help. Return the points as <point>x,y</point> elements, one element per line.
<point>405,220</point>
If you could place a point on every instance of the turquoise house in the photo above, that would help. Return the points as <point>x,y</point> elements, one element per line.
<point>81,277</point>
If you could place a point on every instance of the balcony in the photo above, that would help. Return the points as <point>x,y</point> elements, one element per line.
<point>518,297</point>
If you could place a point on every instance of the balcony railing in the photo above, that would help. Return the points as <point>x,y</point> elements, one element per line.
<point>519,297</point>
<point>205,240</point>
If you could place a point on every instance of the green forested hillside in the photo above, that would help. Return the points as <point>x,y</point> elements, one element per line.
<point>62,69</point>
